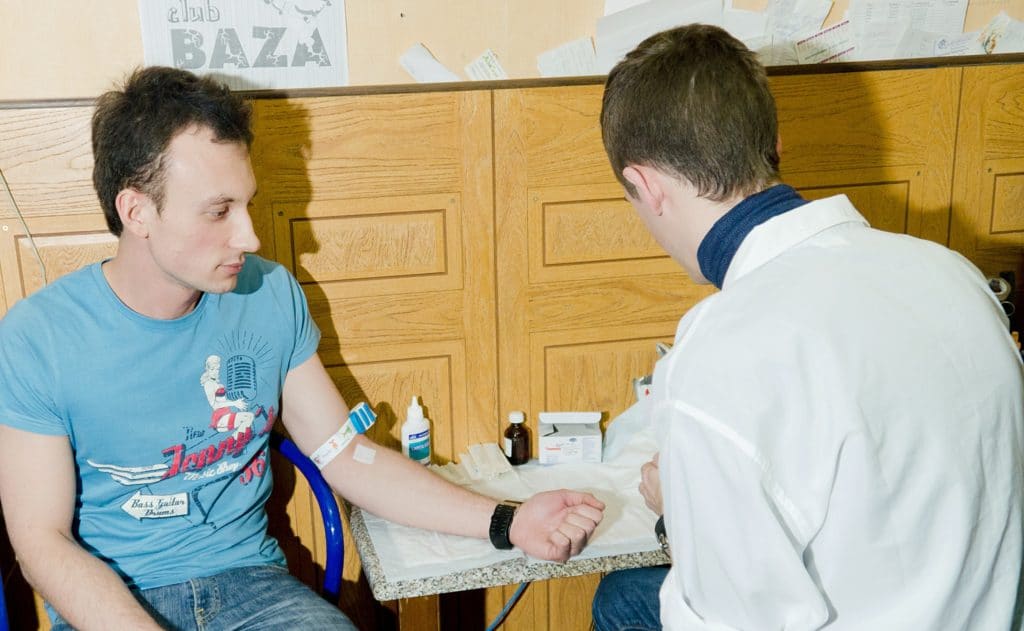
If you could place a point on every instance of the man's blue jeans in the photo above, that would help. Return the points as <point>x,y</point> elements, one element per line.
<point>627,600</point>
<point>260,597</point>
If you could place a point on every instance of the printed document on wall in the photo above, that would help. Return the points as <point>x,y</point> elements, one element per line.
<point>247,44</point>
<point>934,16</point>
<point>620,32</point>
<point>573,59</point>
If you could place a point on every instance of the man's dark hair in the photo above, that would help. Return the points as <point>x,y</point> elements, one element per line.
<point>693,101</point>
<point>132,127</point>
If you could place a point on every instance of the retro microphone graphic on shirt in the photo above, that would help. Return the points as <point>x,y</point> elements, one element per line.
<point>230,389</point>
<point>230,401</point>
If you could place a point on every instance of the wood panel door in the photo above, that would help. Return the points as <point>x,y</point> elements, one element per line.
<point>988,190</point>
<point>884,138</point>
<point>46,161</point>
<point>382,207</point>
<point>584,292</point>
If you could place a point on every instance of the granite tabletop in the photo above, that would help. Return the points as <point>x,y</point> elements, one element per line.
<point>503,573</point>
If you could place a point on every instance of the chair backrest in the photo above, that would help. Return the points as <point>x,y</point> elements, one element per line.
<point>4,623</point>
<point>328,510</point>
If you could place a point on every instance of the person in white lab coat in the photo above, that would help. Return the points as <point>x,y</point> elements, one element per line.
<point>843,423</point>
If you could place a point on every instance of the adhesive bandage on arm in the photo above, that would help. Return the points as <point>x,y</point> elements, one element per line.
<point>360,419</point>
<point>364,454</point>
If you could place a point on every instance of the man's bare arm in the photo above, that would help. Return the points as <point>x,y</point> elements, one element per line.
<point>37,490</point>
<point>553,525</point>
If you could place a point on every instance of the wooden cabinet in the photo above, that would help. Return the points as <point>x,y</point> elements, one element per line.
<point>472,248</point>
<point>987,220</point>
<point>884,138</point>
<point>584,292</point>
<point>381,206</point>
<point>46,160</point>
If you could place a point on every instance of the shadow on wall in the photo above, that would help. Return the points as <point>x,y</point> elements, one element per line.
<point>281,150</point>
<point>897,143</point>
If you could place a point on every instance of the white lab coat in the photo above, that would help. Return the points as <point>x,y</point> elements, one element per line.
<point>844,437</point>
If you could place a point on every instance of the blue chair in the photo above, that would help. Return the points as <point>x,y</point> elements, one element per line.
<point>329,510</point>
<point>4,623</point>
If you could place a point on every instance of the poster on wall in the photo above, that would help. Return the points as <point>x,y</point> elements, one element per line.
<point>249,44</point>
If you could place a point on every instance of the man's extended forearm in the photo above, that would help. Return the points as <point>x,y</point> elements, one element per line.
<point>553,525</point>
<point>83,589</point>
<point>402,491</point>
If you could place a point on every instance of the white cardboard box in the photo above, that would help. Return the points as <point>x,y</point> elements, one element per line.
<point>569,437</point>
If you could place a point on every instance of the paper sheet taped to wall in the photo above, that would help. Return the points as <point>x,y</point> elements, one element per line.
<point>248,45</point>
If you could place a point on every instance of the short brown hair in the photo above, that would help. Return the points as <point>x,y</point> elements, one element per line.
<point>693,101</point>
<point>132,127</point>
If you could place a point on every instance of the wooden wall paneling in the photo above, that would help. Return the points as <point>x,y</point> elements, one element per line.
<point>884,195</point>
<point>391,202</point>
<point>530,611</point>
<point>511,201</point>
<point>988,191</point>
<point>584,369</point>
<point>388,377</point>
<point>884,137</point>
<point>46,161</point>
<point>373,246</point>
<point>568,235</point>
<point>419,614</point>
<point>569,602</point>
<point>46,157</point>
<point>382,207</point>
<point>3,282</point>
<point>65,244</point>
<point>584,293</point>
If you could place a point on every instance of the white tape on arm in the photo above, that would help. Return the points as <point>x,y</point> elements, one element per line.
<point>364,454</point>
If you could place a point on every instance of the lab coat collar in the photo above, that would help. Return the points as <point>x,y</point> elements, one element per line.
<point>782,232</point>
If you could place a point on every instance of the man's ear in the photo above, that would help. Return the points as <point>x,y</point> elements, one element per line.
<point>131,208</point>
<point>778,145</point>
<point>648,185</point>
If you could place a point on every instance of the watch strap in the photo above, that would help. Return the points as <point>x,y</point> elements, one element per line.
<point>501,524</point>
<point>659,532</point>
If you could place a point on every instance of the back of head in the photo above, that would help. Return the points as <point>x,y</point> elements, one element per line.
<point>693,101</point>
<point>132,127</point>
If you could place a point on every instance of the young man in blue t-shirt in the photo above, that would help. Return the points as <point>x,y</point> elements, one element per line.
<point>138,395</point>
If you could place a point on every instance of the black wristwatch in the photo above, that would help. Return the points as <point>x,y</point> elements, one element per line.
<point>659,532</point>
<point>501,523</point>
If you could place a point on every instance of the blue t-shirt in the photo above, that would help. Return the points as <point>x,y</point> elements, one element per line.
<point>168,419</point>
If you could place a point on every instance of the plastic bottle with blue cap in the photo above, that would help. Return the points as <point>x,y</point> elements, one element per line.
<point>416,434</point>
